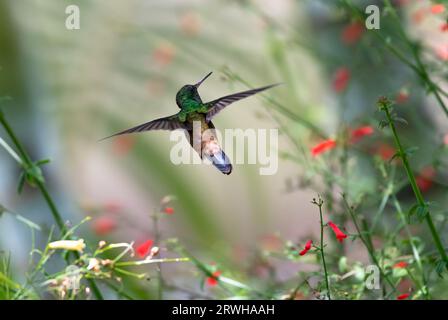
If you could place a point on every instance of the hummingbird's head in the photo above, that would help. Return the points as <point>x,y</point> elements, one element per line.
<point>190,92</point>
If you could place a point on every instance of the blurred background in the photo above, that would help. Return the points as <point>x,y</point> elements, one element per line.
<point>70,88</point>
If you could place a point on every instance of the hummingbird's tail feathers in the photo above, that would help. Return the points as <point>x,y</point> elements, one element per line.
<point>221,162</point>
<point>217,105</point>
<point>167,123</point>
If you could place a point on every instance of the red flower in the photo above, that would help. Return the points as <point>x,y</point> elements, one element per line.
<point>424,178</point>
<point>339,234</point>
<point>340,79</point>
<point>442,52</point>
<point>437,8</point>
<point>403,296</point>
<point>419,15</point>
<point>144,248</point>
<point>400,265</point>
<point>402,96</point>
<point>323,147</point>
<point>168,210</point>
<point>360,132</point>
<point>103,225</point>
<point>164,54</point>
<point>386,151</point>
<point>213,279</point>
<point>445,139</point>
<point>444,27</point>
<point>352,32</point>
<point>307,247</point>
<point>123,144</point>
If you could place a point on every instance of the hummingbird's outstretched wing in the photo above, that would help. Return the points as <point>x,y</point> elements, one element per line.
<point>167,123</point>
<point>217,105</point>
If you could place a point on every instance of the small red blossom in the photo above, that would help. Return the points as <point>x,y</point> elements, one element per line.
<point>352,32</point>
<point>338,232</point>
<point>402,96</point>
<point>386,151</point>
<point>360,132</point>
<point>164,54</point>
<point>425,178</point>
<point>403,296</point>
<point>122,145</point>
<point>437,8</point>
<point>213,279</point>
<point>323,147</point>
<point>190,23</point>
<point>103,225</point>
<point>419,15</point>
<point>445,139</point>
<point>444,27</point>
<point>400,265</point>
<point>307,247</point>
<point>144,248</point>
<point>442,52</point>
<point>341,79</point>
<point>168,210</point>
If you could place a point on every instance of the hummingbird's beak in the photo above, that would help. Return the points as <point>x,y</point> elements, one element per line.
<point>200,82</point>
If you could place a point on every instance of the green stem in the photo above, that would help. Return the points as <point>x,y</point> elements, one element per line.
<point>384,104</point>
<point>415,252</point>
<point>160,281</point>
<point>322,253</point>
<point>28,163</point>
<point>367,243</point>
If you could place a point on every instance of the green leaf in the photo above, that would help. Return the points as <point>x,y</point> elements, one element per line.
<point>441,267</point>
<point>410,151</point>
<point>422,212</point>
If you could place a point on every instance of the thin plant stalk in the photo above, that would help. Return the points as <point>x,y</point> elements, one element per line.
<point>319,203</point>
<point>385,105</point>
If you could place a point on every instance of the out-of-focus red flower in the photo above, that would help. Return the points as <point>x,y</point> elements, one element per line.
<point>402,96</point>
<point>385,151</point>
<point>437,8</point>
<point>403,296</point>
<point>190,23</point>
<point>352,32</point>
<point>168,210</point>
<point>425,178</point>
<point>338,232</point>
<point>323,147</point>
<point>112,206</point>
<point>213,280</point>
<point>164,53</point>
<point>144,248</point>
<point>444,27</point>
<point>341,79</point>
<point>400,265</point>
<point>360,132</point>
<point>307,247</point>
<point>445,139</point>
<point>123,144</point>
<point>442,52</point>
<point>419,15</point>
<point>103,225</point>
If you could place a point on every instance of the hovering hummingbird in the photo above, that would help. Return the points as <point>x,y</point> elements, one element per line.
<point>192,109</point>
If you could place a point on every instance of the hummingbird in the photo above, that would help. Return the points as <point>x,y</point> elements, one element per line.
<point>193,109</point>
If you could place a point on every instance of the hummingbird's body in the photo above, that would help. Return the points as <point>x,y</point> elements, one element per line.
<point>194,111</point>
